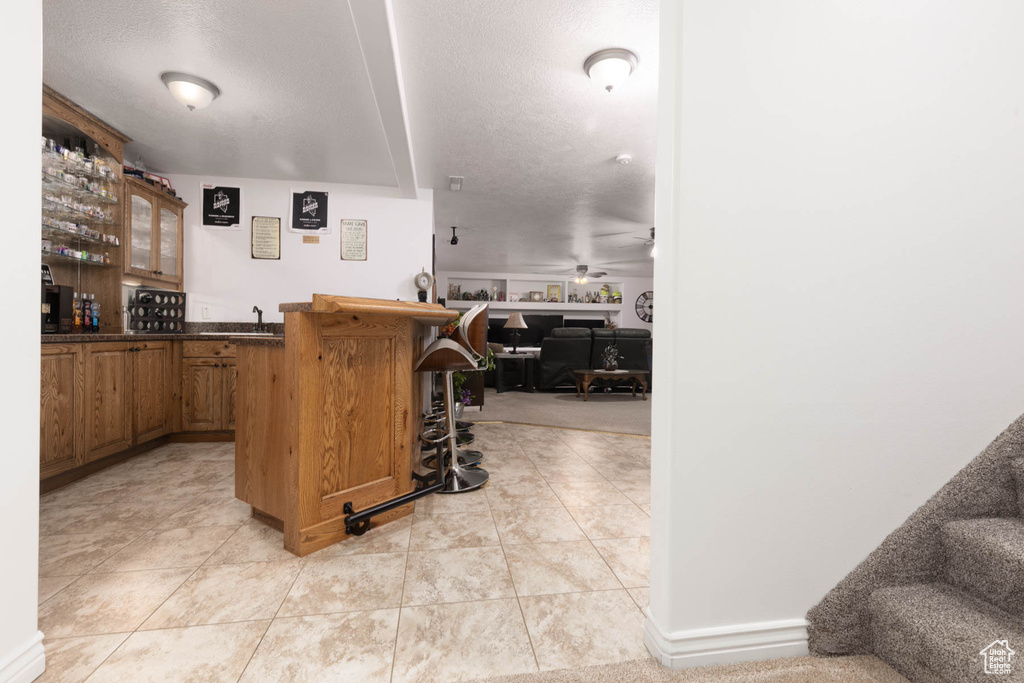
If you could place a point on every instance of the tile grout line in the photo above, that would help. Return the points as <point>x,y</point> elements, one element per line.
<point>401,598</point>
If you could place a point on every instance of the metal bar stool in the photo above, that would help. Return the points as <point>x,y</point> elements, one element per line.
<point>447,356</point>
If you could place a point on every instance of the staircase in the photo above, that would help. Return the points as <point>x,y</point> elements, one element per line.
<point>935,632</point>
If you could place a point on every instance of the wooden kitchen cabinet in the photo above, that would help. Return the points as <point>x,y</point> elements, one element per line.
<point>108,399</point>
<point>208,394</point>
<point>153,390</point>
<point>201,394</point>
<point>154,234</point>
<point>60,408</point>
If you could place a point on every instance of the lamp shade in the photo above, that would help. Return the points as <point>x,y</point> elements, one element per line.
<point>191,91</point>
<point>515,321</point>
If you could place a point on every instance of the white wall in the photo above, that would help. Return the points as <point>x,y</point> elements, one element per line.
<point>220,273</point>
<point>632,287</point>
<point>840,222</point>
<point>21,650</point>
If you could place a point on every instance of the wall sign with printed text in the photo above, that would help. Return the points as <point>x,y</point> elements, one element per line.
<point>222,206</point>
<point>353,240</point>
<point>309,213</point>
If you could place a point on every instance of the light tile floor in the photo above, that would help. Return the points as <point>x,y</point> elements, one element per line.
<point>152,571</point>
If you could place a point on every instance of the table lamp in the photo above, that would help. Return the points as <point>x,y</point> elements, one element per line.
<point>515,323</point>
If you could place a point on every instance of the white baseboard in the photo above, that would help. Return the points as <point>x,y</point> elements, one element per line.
<point>726,644</point>
<point>27,665</point>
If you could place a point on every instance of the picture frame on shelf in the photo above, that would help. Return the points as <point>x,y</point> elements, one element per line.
<point>536,296</point>
<point>454,291</point>
<point>513,298</point>
<point>554,293</point>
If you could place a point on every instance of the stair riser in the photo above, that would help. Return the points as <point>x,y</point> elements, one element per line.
<point>1017,466</point>
<point>993,577</point>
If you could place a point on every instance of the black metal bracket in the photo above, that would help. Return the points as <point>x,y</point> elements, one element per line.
<point>356,527</point>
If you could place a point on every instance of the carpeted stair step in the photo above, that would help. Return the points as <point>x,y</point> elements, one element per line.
<point>985,557</point>
<point>1017,466</point>
<point>934,633</point>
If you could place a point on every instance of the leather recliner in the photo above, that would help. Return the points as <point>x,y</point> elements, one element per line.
<point>567,349</point>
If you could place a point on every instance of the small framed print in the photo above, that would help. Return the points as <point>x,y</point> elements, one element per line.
<point>353,240</point>
<point>266,238</point>
<point>555,293</point>
<point>536,296</point>
<point>309,213</point>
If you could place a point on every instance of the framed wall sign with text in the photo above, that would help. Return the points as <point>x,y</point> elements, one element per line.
<point>353,240</point>
<point>309,213</point>
<point>266,238</point>
<point>222,206</point>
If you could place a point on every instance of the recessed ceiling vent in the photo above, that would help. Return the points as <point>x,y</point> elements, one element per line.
<point>455,182</point>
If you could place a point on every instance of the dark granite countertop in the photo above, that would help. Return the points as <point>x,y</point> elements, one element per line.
<point>88,338</point>
<point>276,340</point>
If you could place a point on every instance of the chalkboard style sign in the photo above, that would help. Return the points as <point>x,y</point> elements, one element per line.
<point>222,206</point>
<point>309,213</point>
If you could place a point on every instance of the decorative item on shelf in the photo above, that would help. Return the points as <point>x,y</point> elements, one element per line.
<point>454,291</point>
<point>610,357</point>
<point>501,296</point>
<point>554,293</point>
<point>608,321</point>
<point>515,323</point>
<point>616,297</point>
<point>467,296</point>
<point>513,298</point>
<point>495,296</point>
<point>605,294</point>
<point>536,296</point>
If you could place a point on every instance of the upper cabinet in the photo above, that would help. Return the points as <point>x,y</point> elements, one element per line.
<point>154,234</point>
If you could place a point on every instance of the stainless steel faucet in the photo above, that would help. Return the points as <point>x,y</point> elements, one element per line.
<point>260,326</point>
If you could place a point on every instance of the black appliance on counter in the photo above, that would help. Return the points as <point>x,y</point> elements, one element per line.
<point>58,309</point>
<point>156,311</point>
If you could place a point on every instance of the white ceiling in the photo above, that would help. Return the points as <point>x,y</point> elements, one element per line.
<point>494,91</point>
<point>296,99</point>
<point>497,93</point>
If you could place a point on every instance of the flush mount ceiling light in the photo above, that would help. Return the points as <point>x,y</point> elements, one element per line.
<point>192,91</point>
<point>610,68</point>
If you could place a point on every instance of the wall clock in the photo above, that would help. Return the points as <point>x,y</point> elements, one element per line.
<point>645,307</point>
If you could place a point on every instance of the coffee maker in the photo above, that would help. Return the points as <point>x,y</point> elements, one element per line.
<point>58,309</point>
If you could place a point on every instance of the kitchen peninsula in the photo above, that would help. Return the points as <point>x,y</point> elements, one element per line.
<point>328,416</point>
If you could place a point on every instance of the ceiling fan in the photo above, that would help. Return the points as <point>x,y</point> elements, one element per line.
<point>647,242</point>
<point>583,274</point>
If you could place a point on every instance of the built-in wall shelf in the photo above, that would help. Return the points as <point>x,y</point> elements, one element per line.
<point>538,307</point>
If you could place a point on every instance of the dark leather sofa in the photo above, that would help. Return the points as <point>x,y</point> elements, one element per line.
<point>577,348</point>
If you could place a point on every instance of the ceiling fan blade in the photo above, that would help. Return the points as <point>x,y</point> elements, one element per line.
<point>599,273</point>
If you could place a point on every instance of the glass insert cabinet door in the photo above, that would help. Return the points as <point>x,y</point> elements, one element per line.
<point>143,209</point>
<point>170,225</point>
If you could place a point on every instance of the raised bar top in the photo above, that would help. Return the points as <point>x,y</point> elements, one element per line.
<point>429,314</point>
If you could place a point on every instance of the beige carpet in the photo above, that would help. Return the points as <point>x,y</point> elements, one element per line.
<point>866,669</point>
<point>617,412</point>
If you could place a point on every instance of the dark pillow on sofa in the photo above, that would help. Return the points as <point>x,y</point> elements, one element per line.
<point>632,333</point>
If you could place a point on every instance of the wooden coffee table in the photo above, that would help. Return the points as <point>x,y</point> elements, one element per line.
<point>585,377</point>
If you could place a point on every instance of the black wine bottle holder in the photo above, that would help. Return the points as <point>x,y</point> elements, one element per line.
<point>156,311</point>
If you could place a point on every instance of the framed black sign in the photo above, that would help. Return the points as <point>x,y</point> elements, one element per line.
<point>309,213</point>
<point>222,206</point>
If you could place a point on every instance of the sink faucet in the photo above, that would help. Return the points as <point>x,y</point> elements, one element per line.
<point>259,326</point>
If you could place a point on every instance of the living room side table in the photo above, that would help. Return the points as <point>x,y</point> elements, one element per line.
<point>529,361</point>
<point>585,377</point>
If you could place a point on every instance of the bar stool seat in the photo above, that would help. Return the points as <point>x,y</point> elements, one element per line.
<point>447,357</point>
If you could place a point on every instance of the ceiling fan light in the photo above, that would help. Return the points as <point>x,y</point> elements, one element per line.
<point>654,250</point>
<point>610,68</point>
<point>191,91</point>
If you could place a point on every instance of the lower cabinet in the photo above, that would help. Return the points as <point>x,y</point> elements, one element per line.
<point>208,394</point>
<point>154,392</point>
<point>108,399</point>
<point>98,399</point>
<point>61,417</point>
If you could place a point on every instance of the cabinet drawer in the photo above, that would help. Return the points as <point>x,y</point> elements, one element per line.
<point>208,349</point>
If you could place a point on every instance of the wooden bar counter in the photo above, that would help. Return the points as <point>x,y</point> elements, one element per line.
<point>332,415</point>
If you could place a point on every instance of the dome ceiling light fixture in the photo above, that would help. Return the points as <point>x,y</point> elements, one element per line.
<point>192,91</point>
<point>610,68</point>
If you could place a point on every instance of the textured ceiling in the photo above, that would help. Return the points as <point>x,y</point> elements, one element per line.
<point>496,92</point>
<point>296,100</point>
